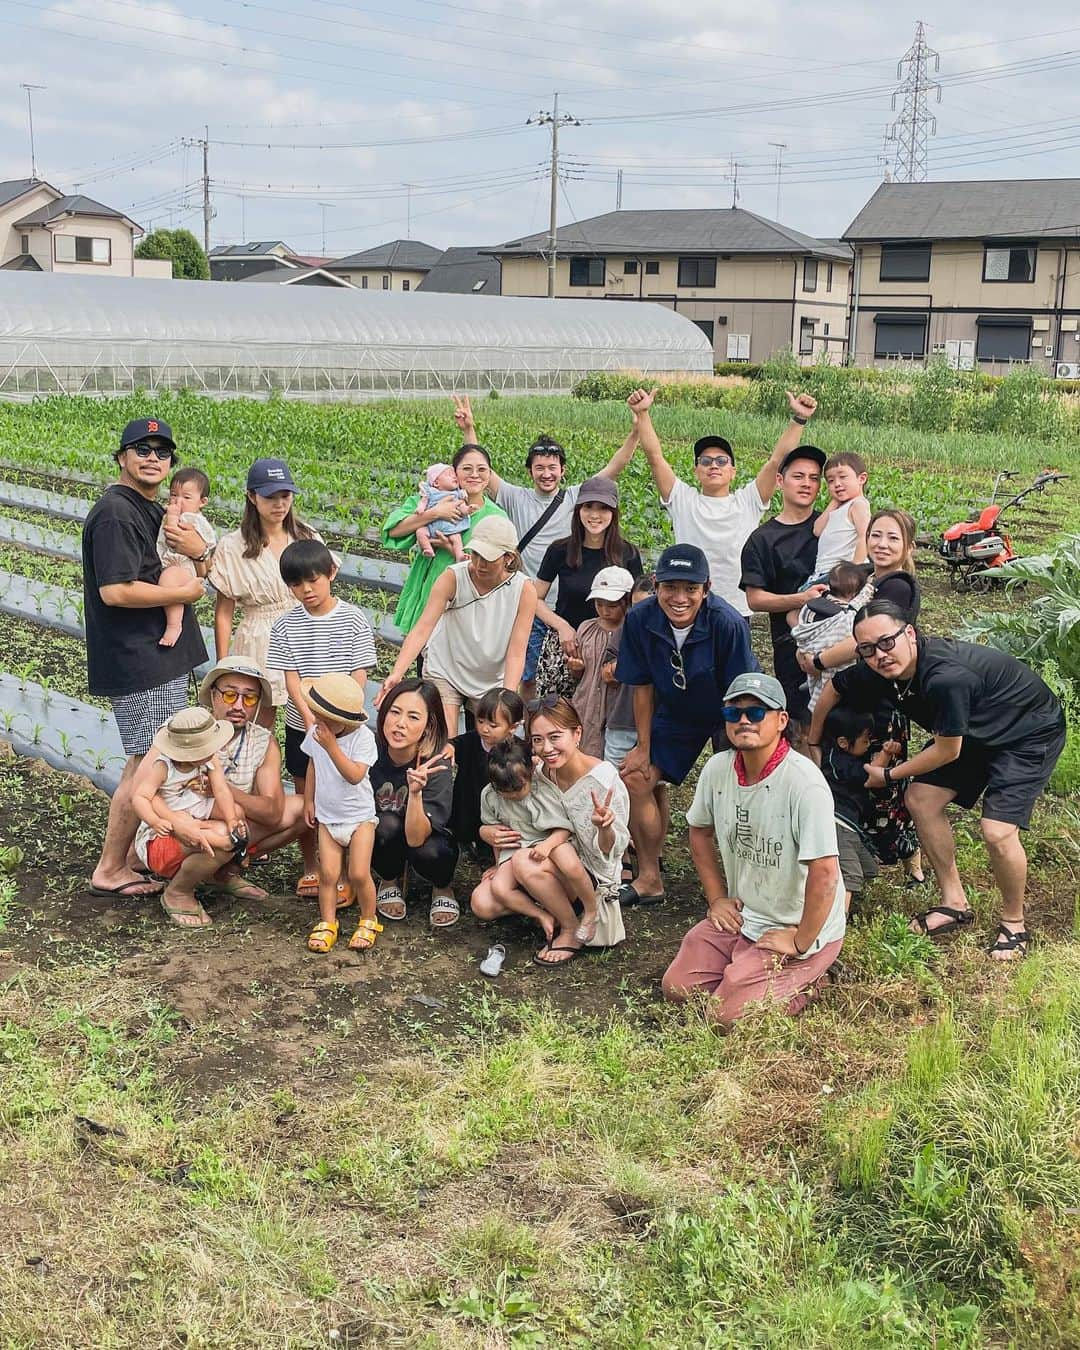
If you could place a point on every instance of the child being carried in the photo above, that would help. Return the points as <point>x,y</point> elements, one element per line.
<point>189,492</point>
<point>523,815</point>
<point>830,619</point>
<point>438,484</point>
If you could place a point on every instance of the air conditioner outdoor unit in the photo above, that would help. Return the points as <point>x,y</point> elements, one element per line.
<point>1067,370</point>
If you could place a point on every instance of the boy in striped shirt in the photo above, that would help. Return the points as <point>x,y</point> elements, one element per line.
<point>321,635</point>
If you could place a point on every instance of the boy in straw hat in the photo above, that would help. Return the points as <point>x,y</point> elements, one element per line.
<point>338,800</point>
<point>178,788</point>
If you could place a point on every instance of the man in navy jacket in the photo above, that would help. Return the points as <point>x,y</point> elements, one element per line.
<point>679,651</point>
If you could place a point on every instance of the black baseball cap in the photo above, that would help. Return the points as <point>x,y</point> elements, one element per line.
<point>683,562</point>
<point>713,443</point>
<point>804,452</point>
<point>143,428</point>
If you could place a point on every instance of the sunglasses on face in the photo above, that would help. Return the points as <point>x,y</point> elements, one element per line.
<point>678,669</point>
<point>709,461</point>
<point>229,697</point>
<point>865,650</point>
<point>754,714</point>
<point>145,451</point>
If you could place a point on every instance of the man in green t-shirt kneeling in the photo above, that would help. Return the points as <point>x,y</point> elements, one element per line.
<point>763,840</point>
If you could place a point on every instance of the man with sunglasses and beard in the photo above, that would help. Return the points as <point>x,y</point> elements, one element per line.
<point>122,606</point>
<point>680,650</point>
<point>763,841</point>
<point>998,731</point>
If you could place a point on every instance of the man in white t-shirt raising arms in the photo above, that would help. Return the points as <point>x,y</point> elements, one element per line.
<point>763,841</point>
<point>716,519</point>
<point>541,513</point>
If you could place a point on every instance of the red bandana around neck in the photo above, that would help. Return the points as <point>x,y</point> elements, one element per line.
<point>777,757</point>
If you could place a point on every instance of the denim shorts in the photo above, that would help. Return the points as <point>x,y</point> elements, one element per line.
<point>532,651</point>
<point>618,744</point>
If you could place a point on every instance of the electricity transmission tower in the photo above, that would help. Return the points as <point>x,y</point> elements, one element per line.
<point>915,124</point>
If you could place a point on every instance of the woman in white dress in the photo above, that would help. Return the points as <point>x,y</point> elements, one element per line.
<point>245,571</point>
<point>598,807</point>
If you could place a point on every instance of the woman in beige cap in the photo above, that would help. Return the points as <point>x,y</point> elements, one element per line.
<point>475,624</point>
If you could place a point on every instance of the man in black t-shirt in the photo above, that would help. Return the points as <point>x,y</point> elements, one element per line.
<point>998,732</point>
<point>145,682</point>
<point>777,559</point>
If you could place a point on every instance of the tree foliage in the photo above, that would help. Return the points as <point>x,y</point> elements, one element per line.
<point>189,262</point>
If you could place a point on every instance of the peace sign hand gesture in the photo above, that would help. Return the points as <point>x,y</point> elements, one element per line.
<point>417,777</point>
<point>603,817</point>
<point>463,415</point>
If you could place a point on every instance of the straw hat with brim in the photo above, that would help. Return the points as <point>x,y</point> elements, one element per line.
<point>337,697</point>
<point>193,734</point>
<point>492,537</point>
<point>236,665</point>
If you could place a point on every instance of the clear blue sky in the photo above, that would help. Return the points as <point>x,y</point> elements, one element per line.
<point>328,84</point>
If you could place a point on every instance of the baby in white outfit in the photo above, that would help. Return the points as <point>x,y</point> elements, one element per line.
<point>189,492</point>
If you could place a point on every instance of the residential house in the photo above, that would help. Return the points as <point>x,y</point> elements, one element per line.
<point>985,273</point>
<point>754,287</point>
<point>297,276</point>
<point>43,230</point>
<point>234,262</point>
<point>464,271</point>
<point>400,265</point>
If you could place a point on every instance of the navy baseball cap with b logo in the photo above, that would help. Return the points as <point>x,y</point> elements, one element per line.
<point>683,562</point>
<point>143,429</point>
<point>267,476</point>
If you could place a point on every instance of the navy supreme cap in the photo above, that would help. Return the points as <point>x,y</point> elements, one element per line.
<point>143,428</point>
<point>267,476</point>
<point>683,562</point>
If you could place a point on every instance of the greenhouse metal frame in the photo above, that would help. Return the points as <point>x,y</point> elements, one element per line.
<point>111,336</point>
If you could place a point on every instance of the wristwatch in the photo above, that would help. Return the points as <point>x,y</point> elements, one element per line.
<point>819,664</point>
<point>886,775</point>
<point>802,421</point>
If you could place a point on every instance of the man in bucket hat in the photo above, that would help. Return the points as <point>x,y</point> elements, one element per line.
<point>145,682</point>
<point>763,841</point>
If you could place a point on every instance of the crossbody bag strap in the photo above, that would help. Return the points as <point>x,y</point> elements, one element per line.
<point>537,525</point>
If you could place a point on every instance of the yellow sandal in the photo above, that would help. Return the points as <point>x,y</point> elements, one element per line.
<point>366,932</point>
<point>323,936</point>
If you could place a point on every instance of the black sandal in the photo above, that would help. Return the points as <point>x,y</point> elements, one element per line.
<point>1008,941</point>
<point>958,918</point>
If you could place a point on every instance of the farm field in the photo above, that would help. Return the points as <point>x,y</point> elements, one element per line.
<point>219,1140</point>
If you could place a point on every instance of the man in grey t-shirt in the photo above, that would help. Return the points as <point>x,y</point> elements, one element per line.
<point>545,464</point>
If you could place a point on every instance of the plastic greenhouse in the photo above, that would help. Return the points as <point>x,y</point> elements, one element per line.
<point>109,336</point>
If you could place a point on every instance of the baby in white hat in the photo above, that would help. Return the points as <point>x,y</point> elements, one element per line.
<point>440,484</point>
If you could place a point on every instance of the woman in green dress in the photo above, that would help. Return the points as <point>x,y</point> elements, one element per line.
<point>473,465</point>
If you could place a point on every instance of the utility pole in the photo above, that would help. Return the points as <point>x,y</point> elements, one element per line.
<point>207,209</point>
<point>555,120</point>
<point>912,128</point>
<point>779,147</point>
<point>408,209</point>
<point>324,207</point>
<point>618,191</point>
<point>734,176</point>
<point>30,115</point>
<point>243,219</point>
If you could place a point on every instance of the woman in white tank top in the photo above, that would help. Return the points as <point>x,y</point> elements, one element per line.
<point>476,622</point>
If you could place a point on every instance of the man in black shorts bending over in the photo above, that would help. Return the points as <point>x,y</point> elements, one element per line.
<point>998,732</point>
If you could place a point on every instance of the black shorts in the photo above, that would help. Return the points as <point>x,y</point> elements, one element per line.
<point>857,864</point>
<point>1010,781</point>
<point>794,680</point>
<point>295,760</point>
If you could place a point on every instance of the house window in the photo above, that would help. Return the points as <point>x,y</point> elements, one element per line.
<point>828,277</point>
<point>78,248</point>
<point>24,243</point>
<point>1009,264</point>
<point>629,267</point>
<point>806,337</point>
<point>706,326</point>
<point>405,283</point>
<point>825,330</point>
<point>385,282</point>
<point>697,271</point>
<point>905,262</point>
<point>809,274</point>
<point>363,282</point>
<point>900,335</point>
<point>587,271</point>
<point>1003,337</point>
<point>652,269</point>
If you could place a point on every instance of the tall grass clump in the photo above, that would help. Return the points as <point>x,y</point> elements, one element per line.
<point>964,1172</point>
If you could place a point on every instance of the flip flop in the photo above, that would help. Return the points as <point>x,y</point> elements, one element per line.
<point>957,918</point>
<point>550,965</point>
<point>125,892</point>
<point>241,889</point>
<point>629,896</point>
<point>177,915</point>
